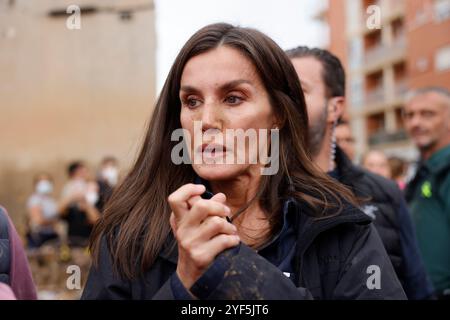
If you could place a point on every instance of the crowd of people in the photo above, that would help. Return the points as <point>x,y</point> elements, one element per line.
<point>70,218</point>
<point>312,230</point>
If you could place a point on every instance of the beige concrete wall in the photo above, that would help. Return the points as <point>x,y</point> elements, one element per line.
<point>70,94</point>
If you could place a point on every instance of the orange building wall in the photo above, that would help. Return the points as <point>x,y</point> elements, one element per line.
<point>424,39</point>
<point>336,18</point>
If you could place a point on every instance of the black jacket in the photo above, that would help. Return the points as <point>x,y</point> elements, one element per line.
<point>381,198</point>
<point>335,258</point>
<point>383,201</point>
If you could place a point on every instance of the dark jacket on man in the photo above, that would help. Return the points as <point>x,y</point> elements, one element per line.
<point>383,201</point>
<point>428,194</point>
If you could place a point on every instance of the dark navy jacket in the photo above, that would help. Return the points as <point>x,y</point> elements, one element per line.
<point>333,258</point>
<point>385,203</point>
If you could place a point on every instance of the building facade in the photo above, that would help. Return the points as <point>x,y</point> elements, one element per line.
<point>70,93</point>
<point>388,47</point>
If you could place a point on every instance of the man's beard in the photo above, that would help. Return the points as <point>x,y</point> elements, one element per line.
<point>317,132</point>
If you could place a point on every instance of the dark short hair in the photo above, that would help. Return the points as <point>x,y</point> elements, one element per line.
<point>73,167</point>
<point>333,72</point>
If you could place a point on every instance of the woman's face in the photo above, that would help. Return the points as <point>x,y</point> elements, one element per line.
<point>221,91</point>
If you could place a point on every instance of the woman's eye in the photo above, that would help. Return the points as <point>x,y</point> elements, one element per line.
<point>192,103</point>
<point>233,100</point>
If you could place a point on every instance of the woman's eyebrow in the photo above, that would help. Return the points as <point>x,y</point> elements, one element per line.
<point>232,84</point>
<point>224,87</point>
<point>189,89</point>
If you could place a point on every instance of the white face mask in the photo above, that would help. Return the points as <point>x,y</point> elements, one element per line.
<point>44,187</point>
<point>91,197</point>
<point>111,175</point>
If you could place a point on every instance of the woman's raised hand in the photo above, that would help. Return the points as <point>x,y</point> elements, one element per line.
<point>201,230</point>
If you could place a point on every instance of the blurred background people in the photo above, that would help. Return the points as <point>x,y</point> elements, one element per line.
<point>14,268</point>
<point>427,121</point>
<point>399,168</point>
<point>345,139</point>
<point>42,212</point>
<point>107,179</point>
<point>79,198</point>
<point>377,162</point>
<point>322,77</point>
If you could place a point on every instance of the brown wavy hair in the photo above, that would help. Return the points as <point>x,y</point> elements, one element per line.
<point>135,223</point>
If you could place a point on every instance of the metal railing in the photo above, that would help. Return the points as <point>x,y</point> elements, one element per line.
<point>375,96</point>
<point>382,136</point>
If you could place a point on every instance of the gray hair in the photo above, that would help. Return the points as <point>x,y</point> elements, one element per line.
<point>418,92</point>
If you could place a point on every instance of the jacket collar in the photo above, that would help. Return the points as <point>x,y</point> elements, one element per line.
<point>439,160</point>
<point>308,227</point>
<point>347,170</point>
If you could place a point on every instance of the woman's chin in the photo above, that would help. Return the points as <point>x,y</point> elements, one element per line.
<point>218,172</point>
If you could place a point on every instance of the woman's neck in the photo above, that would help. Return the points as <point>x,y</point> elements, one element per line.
<point>252,224</point>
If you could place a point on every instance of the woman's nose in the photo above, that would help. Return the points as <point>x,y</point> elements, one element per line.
<point>211,116</point>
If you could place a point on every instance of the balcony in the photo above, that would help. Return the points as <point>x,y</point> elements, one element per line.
<point>382,137</point>
<point>378,56</point>
<point>400,89</point>
<point>399,42</point>
<point>375,96</point>
<point>375,54</point>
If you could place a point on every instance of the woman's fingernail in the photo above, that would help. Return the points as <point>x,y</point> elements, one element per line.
<point>227,210</point>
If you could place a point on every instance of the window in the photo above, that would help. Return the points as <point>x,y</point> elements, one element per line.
<point>375,124</point>
<point>441,10</point>
<point>442,59</point>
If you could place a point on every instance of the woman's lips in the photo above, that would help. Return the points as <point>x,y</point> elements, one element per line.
<point>212,149</point>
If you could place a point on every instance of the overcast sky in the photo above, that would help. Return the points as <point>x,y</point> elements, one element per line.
<point>288,22</point>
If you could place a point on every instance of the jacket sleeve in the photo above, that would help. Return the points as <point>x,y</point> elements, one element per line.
<point>368,273</point>
<point>22,283</point>
<point>241,274</point>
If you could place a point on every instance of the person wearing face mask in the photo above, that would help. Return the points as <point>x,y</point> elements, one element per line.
<point>79,204</point>
<point>108,177</point>
<point>42,212</point>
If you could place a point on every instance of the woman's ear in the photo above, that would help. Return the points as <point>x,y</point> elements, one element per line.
<point>276,124</point>
<point>336,107</point>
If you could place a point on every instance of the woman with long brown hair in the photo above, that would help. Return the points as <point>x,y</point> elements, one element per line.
<point>211,229</point>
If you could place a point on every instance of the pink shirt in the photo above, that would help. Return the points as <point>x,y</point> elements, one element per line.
<point>6,292</point>
<point>21,280</point>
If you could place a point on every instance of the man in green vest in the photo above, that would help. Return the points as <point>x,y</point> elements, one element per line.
<point>427,121</point>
